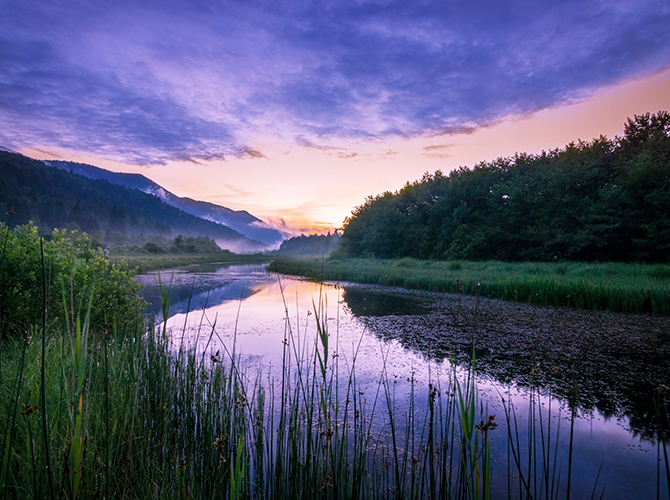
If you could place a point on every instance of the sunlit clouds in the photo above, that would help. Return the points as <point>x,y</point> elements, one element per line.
<point>296,111</point>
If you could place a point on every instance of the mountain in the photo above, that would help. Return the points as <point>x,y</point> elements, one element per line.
<point>239,220</point>
<point>53,197</point>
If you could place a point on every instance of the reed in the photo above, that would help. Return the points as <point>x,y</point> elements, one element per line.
<point>140,421</point>
<point>637,288</point>
<point>140,414</point>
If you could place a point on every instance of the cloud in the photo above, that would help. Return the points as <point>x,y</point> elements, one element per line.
<point>80,109</point>
<point>347,155</point>
<point>437,146</point>
<point>306,143</point>
<point>238,191</point>
<point>437,151</point>
<point>250,153</point>
<point>195,80</point>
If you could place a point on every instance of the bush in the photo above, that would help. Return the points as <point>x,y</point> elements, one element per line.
<point>154,248</point>
<point>75,274</point>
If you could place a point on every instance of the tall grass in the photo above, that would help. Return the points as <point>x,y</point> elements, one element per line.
<point>126,419</point>
<point>639,288</point>
<point>136,414</point>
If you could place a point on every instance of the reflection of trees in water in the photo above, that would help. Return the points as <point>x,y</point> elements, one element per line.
<point>190,290</point>
<point>619,364</point>
<point>365,302</point>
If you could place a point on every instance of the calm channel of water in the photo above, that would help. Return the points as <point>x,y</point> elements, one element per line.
<point>613,367</point>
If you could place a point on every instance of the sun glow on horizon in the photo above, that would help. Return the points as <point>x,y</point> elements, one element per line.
<point>312,188</point>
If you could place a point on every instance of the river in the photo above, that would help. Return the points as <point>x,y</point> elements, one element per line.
<point>612,369</point>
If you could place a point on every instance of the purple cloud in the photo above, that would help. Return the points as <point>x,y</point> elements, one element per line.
<point>154,82</point>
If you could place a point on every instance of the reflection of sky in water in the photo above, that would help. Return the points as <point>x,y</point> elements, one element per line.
<point>246,308</point>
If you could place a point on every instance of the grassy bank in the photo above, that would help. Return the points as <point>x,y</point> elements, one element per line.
<point>89,410</point>
<point>149,262</point>
<point>129,416</point>
<point>636,288</point>
<point>132,415</point>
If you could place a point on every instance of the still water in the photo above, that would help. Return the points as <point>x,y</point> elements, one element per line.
<point>613,369</point>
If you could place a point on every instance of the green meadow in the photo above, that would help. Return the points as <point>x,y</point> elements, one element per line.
<point>638,288</point>
<point>143,263</point>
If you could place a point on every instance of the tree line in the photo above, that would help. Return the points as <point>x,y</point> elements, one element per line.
<point>313,245</point>
<point>599,200</point>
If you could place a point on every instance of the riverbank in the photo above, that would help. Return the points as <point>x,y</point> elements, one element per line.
<point>149,262</point>
<point>130,416</point>
<point>639,288</point>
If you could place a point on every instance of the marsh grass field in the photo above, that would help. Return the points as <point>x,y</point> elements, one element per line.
<point>618,287</point>
<point>137,414</point>
<point>148,262</point>
<point>97,402</point>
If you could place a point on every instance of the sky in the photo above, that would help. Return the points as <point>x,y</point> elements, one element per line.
<point>298,110</point>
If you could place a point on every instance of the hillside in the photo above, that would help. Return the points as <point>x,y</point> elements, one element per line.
<point>51,197</point>
<point>602,200</point>
<point>239,220</point>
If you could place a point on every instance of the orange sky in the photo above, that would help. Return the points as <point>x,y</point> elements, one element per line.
<point>314,189</point>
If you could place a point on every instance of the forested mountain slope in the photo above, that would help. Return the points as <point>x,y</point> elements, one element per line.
<point>605,200</point>
<point>240,220</point>
<point>52,198</point>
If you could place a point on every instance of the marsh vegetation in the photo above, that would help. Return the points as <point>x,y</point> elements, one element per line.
<point>596,286</point>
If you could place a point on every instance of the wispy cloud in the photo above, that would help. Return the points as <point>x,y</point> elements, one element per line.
<point>388,154</point>
<point>347,155</point>
<point>250,153</point>
<point>437,150</point>
<point>153,83</point>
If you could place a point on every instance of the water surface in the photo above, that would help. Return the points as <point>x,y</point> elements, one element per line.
<point>612,368</point>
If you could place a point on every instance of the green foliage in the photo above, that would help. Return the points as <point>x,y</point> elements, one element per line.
<point>200,244</point>
<point>158,245</point>
<point>603,200</point>
<point>74,271</point>
<point>597,286</point>
<point>314,245</point>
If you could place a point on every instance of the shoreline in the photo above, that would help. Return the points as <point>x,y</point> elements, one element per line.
<point>616,287</point>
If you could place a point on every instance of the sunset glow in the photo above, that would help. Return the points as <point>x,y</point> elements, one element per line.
<point>296,114</point>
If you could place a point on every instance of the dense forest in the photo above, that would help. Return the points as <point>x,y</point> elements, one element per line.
<point>54,198</point>
<point>602,200</point>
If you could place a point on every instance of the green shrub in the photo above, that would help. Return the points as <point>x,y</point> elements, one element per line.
<point>152,247</point>
<point>74,272</point>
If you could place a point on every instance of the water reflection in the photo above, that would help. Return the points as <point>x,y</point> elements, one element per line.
<point>614,367</point>
<point>364,302</point>
<point>618,364</point>
<point>205,285</point>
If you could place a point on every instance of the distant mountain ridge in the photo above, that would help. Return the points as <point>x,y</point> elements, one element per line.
<point>57,198</point>
<point>239,220</point>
